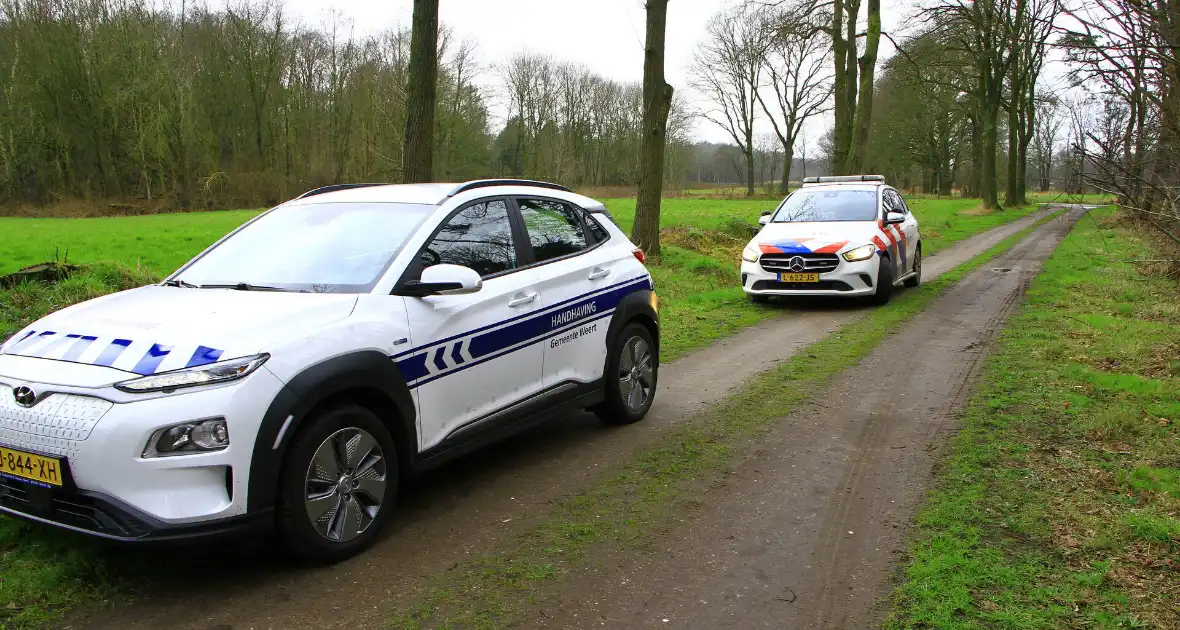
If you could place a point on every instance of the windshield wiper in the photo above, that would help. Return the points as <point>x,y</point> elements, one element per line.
<point>180,283</point>
<point>241,286</point>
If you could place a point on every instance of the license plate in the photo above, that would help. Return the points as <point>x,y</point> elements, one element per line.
<point>37,468</point>
<point>798,277</point>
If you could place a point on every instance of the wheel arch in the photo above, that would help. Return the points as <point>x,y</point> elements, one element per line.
<point>639,306</point>
<point>368,378</point>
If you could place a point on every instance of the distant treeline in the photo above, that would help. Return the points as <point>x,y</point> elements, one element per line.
<point>183,106</point>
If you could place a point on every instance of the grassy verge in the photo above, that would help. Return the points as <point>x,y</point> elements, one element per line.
<point>1060,500</point>
<point>631,502</point>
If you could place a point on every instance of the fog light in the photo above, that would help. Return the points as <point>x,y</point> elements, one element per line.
<point>188,438</point>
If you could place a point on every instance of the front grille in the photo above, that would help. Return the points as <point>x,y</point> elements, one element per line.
<point>54,426</point>
<point>67,508</point>
<point>779,263</point>
<point>822,285</point>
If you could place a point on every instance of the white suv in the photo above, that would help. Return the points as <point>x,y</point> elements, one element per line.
<point>841,236</point>
<point>293,372</point>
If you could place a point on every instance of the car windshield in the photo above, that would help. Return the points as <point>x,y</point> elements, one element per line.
<point>827,205</point>
<point>318,248</point>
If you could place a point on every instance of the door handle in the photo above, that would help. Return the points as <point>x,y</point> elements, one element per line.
<point>599,272</point>
<point>520,299</point>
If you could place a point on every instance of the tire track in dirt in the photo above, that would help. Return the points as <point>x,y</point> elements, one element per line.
<point>803,533</point>
<point>467,507</point>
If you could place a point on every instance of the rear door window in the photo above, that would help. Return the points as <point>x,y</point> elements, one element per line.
<point>554,228</point>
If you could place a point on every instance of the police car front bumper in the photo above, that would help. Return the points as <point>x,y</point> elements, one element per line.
<point>848,279</point>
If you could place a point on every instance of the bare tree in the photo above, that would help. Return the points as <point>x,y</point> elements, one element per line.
<point>727,69</point>
<point>794,64</point>
<point>421,94</point>
<point>1046,133</point>
<point>1028,41</point>
<point>657,103</point>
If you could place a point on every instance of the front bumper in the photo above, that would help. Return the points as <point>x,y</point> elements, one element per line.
<point>847,280</point>
<point>109,489</point>
<point>104,517</point>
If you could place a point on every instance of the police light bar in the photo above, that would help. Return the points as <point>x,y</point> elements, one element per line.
<point>834,179</point>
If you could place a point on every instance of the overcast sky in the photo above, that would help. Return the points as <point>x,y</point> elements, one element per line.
<point>606,35</point>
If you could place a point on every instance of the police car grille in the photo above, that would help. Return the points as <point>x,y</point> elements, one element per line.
<point>53,426</point>
<point>812,263</point>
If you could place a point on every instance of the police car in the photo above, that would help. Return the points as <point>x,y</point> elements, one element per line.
<point>838,236</point>
<point>291,374</point>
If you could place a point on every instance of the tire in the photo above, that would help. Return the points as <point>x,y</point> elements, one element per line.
<point>336,442</point>
<point>884,282</point>
<point>629,389</point>
<point>759,298</point>
<point>916,279</point>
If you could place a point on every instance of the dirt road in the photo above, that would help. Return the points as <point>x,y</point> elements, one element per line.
<point>467,507</point>
<point>804,532</point>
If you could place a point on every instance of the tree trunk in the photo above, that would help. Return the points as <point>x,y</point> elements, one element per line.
<point>1011,192</point>
<point>987,172</point>
<point>750,171</point>
<point>841,110</point>
<point>784,186</point>
<point>864,102</point>
<point>657,102</point>
<point>421,94</point>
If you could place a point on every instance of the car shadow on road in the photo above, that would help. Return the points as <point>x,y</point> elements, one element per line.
<point>460,488</point>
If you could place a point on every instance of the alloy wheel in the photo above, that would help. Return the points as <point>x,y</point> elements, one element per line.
<point>635,373</point>
<point>345,484</point>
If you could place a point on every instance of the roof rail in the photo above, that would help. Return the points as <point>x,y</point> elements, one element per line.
<point>484,183</point>
<point>333,188</point>
<point>835,179</point>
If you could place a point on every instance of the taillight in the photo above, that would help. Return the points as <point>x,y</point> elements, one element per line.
<point>639,255</point>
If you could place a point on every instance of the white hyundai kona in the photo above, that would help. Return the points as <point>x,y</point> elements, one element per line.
<point>288,376</point>
<point>836,236</point>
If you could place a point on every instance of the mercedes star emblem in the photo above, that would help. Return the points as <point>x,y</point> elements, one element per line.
<point>25,396</point>
<point>797,264</point>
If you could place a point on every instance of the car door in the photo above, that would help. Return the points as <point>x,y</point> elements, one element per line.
<point>892,202</point>
<point>480,352</point>
<point>576,274</point>
<point>910,230</point>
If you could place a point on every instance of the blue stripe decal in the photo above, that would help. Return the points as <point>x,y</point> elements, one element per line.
<point>151,359</point>
<point>645,282</point>
<point>78,348</point>
<point>511,349</point>
<point>18,342</point>
<point>204,356</point>
<point>112,352</point>
<point>791,247</point>
<point>426,363</point>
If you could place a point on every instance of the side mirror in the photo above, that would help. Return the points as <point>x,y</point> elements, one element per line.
<point>444,280</point>
<point>893,218</point>
<point>765,218</point>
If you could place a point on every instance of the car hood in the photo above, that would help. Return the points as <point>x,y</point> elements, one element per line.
<point>155,329</point>
<point>828,237</point>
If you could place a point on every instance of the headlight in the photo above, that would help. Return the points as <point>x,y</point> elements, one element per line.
<point>750,253</point>
<point>219,372</point>
<point>863,252</point>
<point>190,437</point>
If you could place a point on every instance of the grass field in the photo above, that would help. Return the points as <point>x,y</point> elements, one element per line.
<point>1059,505</point>
<point>696,278</point>
<point>43,574</point>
